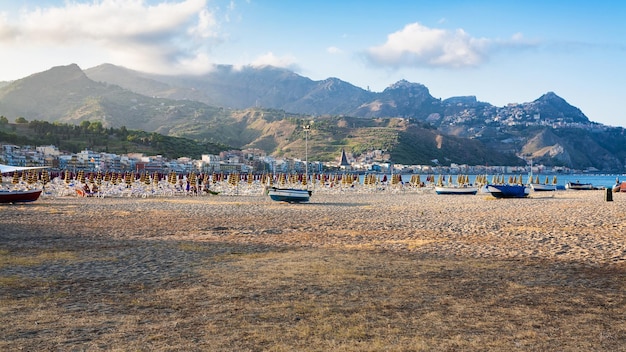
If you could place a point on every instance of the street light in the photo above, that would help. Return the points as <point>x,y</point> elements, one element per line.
<point>307,128</point>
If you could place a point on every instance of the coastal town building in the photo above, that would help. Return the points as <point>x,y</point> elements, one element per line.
<point>243,161</point>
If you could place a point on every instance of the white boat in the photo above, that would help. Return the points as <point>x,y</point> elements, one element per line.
<point>290,195</point>
<point>537,186</point>
<point>294,195</point>
<point>579,186</point>
<point>456,189</point>
<point>541,187</point>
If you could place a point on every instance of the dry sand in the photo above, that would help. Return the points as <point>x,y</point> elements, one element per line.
<point>106,244</point>
<point>567,225</point>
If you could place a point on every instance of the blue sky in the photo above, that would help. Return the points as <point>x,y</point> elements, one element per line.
<point>500,51</point>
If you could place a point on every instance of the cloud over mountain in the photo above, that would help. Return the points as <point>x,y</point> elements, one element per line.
<point>168,36</point>
<point>419,46</point>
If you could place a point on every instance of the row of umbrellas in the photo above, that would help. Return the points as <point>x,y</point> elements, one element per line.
<point>234,179</point>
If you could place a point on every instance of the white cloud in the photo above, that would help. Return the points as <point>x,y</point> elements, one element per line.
<point>333,50</point>
<point>269,59</point>
<point>167,37</point>
<point>417,45</point>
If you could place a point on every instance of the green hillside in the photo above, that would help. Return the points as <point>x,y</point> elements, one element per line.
<point>91,135</point>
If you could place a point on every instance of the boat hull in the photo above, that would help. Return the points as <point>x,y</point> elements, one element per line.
<point>456,190</point>
<point>579,186</point>
<point>539,187</point>
<point>508,191</point>
<point>290,195</point>
<point>19,196</point>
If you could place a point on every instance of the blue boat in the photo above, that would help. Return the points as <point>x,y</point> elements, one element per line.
<point>509,191</point>
<point>290,195</point>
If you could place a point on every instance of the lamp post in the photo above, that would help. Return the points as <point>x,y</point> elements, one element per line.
<point>307,128</point>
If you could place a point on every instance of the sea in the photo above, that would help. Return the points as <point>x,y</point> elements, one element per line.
<point>597,180</point>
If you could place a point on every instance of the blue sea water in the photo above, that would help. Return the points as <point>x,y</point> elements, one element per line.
<point>597,180</point>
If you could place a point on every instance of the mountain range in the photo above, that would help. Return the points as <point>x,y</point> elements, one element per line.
<point>265,108</point>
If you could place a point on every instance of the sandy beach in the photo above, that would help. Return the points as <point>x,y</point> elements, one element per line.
<point>66,261</point>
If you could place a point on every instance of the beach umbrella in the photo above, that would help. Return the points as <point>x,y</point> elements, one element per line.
<point>45,177</point>
<point>554,180</point>
<point>146,178</point>
<point>155,178</point>
<point>30,177</point>
<point>206,180</point>
<point>16,178</point>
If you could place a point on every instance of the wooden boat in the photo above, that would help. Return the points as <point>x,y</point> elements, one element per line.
<point>456,189</point>
<point>19,196</point>
<point>290,195</point>
<point>509,191</point>
<point>579,186</point>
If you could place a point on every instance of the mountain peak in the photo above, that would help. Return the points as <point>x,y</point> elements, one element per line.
<point>555,107</point>
<point>404,84</point>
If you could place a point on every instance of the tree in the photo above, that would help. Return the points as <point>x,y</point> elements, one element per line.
<point>3,120</point>
<point>21,120</point>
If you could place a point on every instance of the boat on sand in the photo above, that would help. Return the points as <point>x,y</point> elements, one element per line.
<point>465,189</point>
<point>12,195</point>
<point>289,195</point>
<point>579,186</point>
<point>19,196</point>
<point>508,190</point>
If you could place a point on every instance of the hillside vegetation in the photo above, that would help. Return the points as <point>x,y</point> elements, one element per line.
<point>93,136</point>
<point>223,108</point>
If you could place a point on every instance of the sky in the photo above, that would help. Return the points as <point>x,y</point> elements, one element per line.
<point>499,51</point>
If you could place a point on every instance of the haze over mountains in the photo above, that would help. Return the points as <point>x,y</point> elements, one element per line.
<point>264,107</point>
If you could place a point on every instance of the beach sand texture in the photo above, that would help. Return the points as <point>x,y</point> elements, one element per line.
<point>347,271</point>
